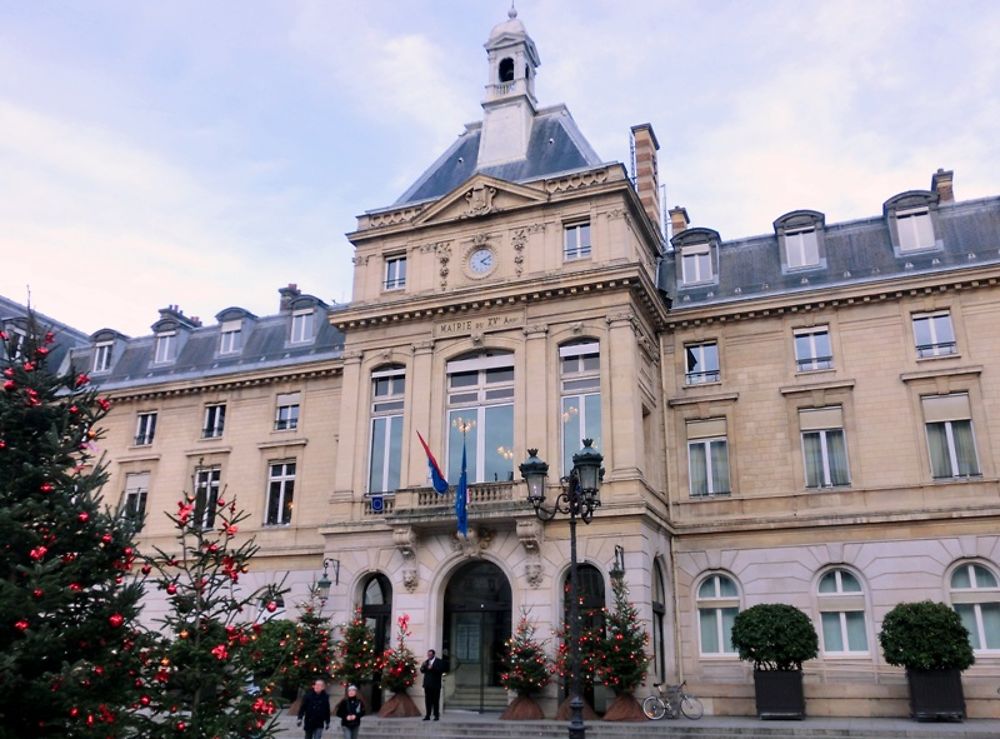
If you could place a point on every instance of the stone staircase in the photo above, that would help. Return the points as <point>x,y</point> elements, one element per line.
<point>494,700</point>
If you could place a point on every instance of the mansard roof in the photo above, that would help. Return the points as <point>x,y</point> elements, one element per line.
<point>556,145</point>
<point>67,337</point>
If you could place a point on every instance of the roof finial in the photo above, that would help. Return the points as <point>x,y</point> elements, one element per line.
<point>512,13</point>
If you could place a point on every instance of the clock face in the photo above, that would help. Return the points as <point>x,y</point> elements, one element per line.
<point>481,261</point>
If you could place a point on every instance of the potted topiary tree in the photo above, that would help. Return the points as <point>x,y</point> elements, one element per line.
<point>777,638</point>
<point>930,641</point>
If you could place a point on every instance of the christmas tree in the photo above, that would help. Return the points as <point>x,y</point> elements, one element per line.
<point>356,658</point>
<point>199,678</point>
<point>623,660</point>
<point>312,652</point>
<point>528,667</point>
<point>67,613</point>
<point>399,666</point>
<point>271,650</point>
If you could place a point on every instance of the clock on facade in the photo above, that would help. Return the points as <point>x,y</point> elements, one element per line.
<point>481,261</point>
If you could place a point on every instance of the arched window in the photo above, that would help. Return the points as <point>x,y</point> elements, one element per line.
<point>386,453</point>
<point>376,609</point>
<point>842,614</point>
<point>481,416</point>
<point>718,603</point>
<point>590,594</point>
<point>659,617</point>
<point>506,70</point>
<point>976,596</point>
<point>580,377</point>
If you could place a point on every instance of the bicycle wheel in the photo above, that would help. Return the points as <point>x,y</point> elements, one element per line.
<point>654,708</point>
<point>691,707</point>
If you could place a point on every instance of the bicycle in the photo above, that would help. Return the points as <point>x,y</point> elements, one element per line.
<point>672,700</point>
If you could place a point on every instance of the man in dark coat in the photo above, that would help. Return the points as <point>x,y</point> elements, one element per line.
<point>315,711</point>
<point>433,668</point>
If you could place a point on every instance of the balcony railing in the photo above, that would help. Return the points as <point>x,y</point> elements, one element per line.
<point>143,440</point>
<point>807,364</point>
<point>700,378</point>
<point>424,506</point>
<point>940,349</point>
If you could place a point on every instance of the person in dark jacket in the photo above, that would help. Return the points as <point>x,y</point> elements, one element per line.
<point>432,669</point>
<point>349,711</point>
<point>315,711</point>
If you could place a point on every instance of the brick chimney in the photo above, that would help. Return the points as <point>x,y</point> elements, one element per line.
<point>288,294</point>
<point>678,219</point>
<point>647,178</point>
<point>941,184</point>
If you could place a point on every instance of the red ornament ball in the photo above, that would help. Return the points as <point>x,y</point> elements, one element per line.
<point>47,487</point>
<point>271,606</point>
<point>116,619</point>
<point>83,517</point>
<point>21,625</point>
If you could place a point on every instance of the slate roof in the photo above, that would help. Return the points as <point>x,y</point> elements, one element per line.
<point>67,337</point>
<point>856,252</point>
<point>556,145</point>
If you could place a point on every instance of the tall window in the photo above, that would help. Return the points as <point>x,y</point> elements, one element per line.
<point>823,447</point>
<point>206,495</point>
<point>580,368</point>
<point>708,457</point>
<point>302,325</point>
<point>388,389</point>
<point>915,229</point>
<point>395,272</point>
<point>481,401</point>
<point>102,356</point>
<point>812,349</point>
<point>145,428</point>
<point>231,336</point>
<point>933,334</point>
<point>215,421</point>
<point>801,248</point>
<point>590,596</point>
<point>134,500</point>
<point>286,412</point>
<point>659,618</point>
<point>166,346</point>
<point>952,445</point>
<point>976,596</point>
<point>701,363</point>
<point>280,491</point>
<point>842,613</point>
<point>718,603</point>
<point>696,264</point>
<point>576,241</point>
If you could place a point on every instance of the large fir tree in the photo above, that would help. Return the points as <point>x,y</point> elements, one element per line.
<point>67,608</point>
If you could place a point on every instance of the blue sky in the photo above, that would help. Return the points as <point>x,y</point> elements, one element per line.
<point>205,154</point>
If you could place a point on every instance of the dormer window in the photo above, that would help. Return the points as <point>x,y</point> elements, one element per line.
<point>102,357</point>
<point>802,248</point>
<point>231,337</point>
<point>915,229</point>
<point>166,346</point>
<point>302,325</point>
<point>800,239</point>
<point>910,217</point>
<point>696,264</point>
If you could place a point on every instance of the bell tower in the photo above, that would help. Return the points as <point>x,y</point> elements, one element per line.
<point>509,105</point>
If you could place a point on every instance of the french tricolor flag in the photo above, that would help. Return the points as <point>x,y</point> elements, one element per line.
<point>437,479</point>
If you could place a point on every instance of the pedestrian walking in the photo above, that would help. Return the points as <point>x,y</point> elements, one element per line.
<point>349,711</point>
<point>315,711</point>
<point>433,669</point>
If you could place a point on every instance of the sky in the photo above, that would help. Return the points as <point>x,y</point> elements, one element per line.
<point>205,154</point>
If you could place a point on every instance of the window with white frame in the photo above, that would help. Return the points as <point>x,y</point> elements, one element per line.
<point>302,325</point>
<point>933,334</point>
<point>16,338</point>
<point>576,241</point>
<point>395,272</point>
<point>580,370</point>
<point>812,349</point>
<point>701,363</point>
<point>280,493</point>
<point>708,457</point>
<point>386,450</point>
<point>801,248</point>
<point>950,438</point>
<point>145,428</point>
<point>915,229</point>
<point>481,416</point>
<point>215,421</point>
<point>206,495</point>
<point>842,614</point>
<point>166,347</point>
<point>975,595</point>
<point>824,448</point>
<point>286,412</point>
<point>102,357</point>
<point>718,602</point>
<point>134,497</point>
<point>696,264</point>
<point>231,336</point>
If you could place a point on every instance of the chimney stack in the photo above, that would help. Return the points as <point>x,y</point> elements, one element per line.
<point>288,294</point>
<point>941,184</point>
<point>647,178</point>
<point>678,220</point>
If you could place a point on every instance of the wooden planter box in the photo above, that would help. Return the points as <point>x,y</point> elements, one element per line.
<point>936,695</point>
<point>779,694</point>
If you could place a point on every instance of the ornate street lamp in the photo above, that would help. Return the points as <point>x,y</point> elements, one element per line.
<point>323,584</point>
<point>578,498</point>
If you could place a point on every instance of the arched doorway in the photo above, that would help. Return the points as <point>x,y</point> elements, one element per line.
<point>376,609</point>
<point>477,606</point>
<point>591,603</point>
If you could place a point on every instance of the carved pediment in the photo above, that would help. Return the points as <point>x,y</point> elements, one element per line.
<point>479,196</point>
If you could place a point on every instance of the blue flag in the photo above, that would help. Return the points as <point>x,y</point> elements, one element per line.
<point>462,498</point>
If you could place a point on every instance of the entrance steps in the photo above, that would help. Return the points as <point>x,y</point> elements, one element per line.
<point>494,700</point>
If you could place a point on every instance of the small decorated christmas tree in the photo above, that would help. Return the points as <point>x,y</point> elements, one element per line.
<point>68,630</point>
<point>591,639</point>
<point>356,659</point>
<point>312,651</point>
<point>623,656</point>
<point>528,670</point>
<point>399,672</point>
